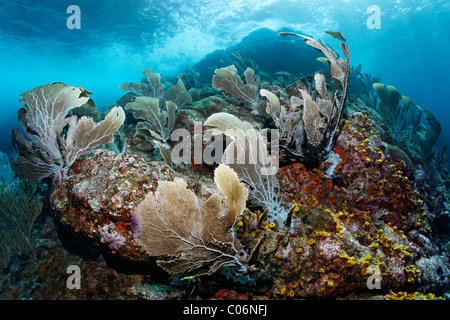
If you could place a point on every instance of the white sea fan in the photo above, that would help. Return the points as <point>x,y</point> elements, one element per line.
<point>247,155</point>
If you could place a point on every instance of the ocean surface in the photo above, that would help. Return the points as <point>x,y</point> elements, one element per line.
<point>118,38</point>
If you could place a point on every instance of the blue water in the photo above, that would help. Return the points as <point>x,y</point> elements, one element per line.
<point>119,37</point>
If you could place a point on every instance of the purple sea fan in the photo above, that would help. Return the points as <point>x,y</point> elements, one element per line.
<point>135,226</point>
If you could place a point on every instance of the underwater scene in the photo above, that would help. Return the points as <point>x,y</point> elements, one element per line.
<point>224,150</point>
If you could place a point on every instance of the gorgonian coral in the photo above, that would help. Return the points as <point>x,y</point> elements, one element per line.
<point>308,127</point>
<point>151,86</point>
<point>189,237</point>
<point>156,104</point>
<point>158,122</point>
<point>248,155</point>
<point>58,139</point>
<point>230,82</point>
<point>19,208</point>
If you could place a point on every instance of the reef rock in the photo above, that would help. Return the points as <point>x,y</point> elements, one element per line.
<point>354,216</point>
<point>97,201</point>
<point>363,218</point>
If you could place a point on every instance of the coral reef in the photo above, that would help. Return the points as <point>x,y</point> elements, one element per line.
<point>335,196</point>
<point>347,223</point>
<point>120,183</point>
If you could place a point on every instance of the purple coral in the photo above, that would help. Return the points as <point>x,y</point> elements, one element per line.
<point>109,234</point>
<point>329,248</point>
